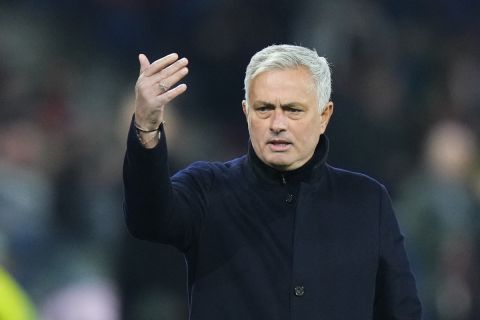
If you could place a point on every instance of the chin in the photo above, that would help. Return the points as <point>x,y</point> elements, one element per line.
<point>280,164</point>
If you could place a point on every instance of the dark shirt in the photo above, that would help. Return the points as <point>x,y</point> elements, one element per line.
<point>314,243</point>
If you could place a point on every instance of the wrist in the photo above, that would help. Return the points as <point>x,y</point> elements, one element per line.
<point>148,139</point>
<point>144,129</point>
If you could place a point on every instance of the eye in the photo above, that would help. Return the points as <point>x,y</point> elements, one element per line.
<point>263,109</point>
<point>293,110</point>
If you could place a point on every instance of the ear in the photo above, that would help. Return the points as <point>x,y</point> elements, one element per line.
<point>326,115</point>
<point>245,108</point>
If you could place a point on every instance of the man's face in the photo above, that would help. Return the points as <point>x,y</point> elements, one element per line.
<point>283,118</point>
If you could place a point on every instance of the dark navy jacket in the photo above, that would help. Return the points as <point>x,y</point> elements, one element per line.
<point>313,243</point>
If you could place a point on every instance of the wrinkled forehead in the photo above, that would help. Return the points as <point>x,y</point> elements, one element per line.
<point>286,84</point>
<point>270,68</point>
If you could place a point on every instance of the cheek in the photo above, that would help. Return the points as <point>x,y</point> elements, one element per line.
<point>255,134</point>
<point>308,139</point>
<point>256,129</point>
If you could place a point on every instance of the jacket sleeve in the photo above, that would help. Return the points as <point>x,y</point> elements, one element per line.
<point>396,294</point>
<point>159,208</point>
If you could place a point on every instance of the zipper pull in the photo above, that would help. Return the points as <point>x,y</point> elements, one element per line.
<point>283,180</point>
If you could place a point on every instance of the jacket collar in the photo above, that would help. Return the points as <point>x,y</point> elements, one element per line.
<point>309,172</point>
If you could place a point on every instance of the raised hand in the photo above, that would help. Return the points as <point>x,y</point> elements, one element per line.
<point>153,90</point>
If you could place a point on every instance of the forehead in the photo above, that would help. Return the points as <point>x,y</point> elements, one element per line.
<point>293,84</point>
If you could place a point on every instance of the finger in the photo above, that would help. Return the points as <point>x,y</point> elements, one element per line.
<point>144,63</point>
<point>173,79</point>
<point>171,69</point>
<point>160,64</point>
<point>171,94</point>
<point>174,67</point>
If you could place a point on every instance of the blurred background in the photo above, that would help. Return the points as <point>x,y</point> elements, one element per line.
<point>406,88</point>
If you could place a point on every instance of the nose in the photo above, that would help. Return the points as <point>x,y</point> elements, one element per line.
<point>278,121</point>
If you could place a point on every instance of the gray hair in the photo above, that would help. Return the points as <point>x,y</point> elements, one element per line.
<point>284,56</point>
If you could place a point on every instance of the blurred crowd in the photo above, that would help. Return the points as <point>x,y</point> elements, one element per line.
<point>407,112</point>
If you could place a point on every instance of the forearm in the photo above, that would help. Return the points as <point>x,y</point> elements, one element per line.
<point>147,187</point>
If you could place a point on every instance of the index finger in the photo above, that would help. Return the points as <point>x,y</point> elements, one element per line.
<point>160,64</point>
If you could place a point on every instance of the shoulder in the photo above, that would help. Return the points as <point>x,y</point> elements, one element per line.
<point>211,169</point>
<point>352,176</point>
<point>217,166</point>
<point>206,175</point>
<point>354,182</point>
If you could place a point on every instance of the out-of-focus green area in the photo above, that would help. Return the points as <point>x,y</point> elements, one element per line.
<point>406,79</point>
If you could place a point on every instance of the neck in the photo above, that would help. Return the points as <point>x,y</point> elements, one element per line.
<point>302,174</point>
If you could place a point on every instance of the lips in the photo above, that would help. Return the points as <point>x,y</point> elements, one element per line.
<point>279,145</point>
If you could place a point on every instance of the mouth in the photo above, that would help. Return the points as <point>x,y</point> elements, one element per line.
<point>279,145</point>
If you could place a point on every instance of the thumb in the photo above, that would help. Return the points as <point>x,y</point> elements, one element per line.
<point>144,63</point>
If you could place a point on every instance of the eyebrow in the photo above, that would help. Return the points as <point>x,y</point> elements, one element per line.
<point>268,104</point>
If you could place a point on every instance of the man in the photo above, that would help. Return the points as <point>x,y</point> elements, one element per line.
<point>277,233</point>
